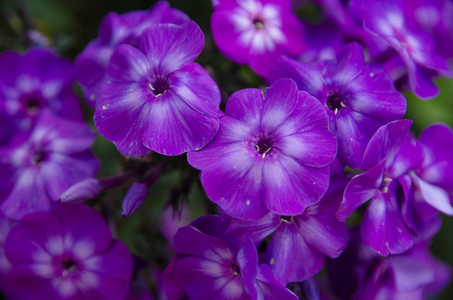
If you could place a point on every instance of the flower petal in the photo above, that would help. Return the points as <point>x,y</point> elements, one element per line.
<point>256,230</point>
<point>384,143</point>
<point>228,37</point>
<point>59,172</point>
<point>305,134</point>
<point>383,228</point>
<point>76,220</point>
<point>169,47</point>
<point>173,127</point>
<point>354,131</point>
<point>231,131</point>
<point>205,279</point>
<point>359,190</point>
<point>307,78</point>
<point>321,230</point>
<point>375,96</point>
<point>121,114</point>
<point>246,105</point>
<point>434,196</point>
<point>193,84</point>
<point>289,187</point>
<point>289,256</point>
<point>280,101</point>
<point>234,183</point>
<point>271,287</point>
<point>28,195</point>
<point>190,241</point>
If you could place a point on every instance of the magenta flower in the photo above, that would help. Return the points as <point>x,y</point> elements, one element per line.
<point>66,253</point>
<point>271,153</point>
<point>155,98</point>
<point>91,64</point>
<point>256,32</point>
<point>30,83</point>
<point>37,168</point>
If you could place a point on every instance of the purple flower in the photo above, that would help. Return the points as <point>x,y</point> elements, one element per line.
<point>256,32</point>
<point>437,167</point>
<point>361,274</point>
<point>428,186</point>
<point>29,84</point>
<point>388,20</point>
<point>37,168</point>
<point>358,97</point>
<point>271,153</point>
<point>91,64</point>
<point>404,207</point>
<point>66,253</point>
<point>155,98</point>
<point>300,243</point>
<point>383,228</point>
<point>207,267</point>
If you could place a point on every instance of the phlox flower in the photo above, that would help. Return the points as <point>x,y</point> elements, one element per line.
<point>31,83</point>
<point>271,153</point>
<point>36,168</point>
<point>155,98</point>
<point>66,253</point>
<point>416,48</point>
<point>91,64</point>
<point>207,266</point>
<point>358,97</point>
<point>256,32</point>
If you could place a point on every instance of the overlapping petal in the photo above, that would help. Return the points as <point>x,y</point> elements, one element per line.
<point>383,228</point>
<point>289,256</point>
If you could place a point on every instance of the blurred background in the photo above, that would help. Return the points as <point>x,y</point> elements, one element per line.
<point>67,26</point>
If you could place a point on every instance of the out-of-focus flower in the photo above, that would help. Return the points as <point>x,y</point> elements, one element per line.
<point>323,42</point>
<point>91,63</point>
<point>172,219</point>
<point>428,186</point>
<point>37,168</point>
<point>66,253</point>
<point>271,153</point>
<point>256,32</point>
<point>361,274</point>
<point>416,48</point>
<point>30,83</point>
<point>155,98</point>
<point>358,97</point>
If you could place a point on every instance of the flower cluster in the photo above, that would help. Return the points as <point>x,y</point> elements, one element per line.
<point>314,165</point>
